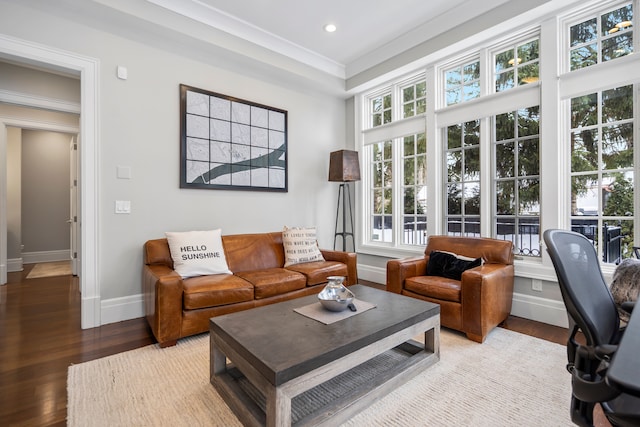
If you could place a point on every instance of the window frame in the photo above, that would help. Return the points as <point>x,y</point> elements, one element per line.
<point>592,10</point>
<point>553,99</point>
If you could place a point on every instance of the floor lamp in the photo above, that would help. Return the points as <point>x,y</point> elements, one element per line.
<point>344,167</point>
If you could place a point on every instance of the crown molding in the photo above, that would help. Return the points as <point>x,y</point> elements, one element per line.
<point>215,18</point>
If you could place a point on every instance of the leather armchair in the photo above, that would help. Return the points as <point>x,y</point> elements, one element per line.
<point>476,303</point>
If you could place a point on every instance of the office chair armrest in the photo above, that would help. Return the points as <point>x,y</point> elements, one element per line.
<point>628,306</point>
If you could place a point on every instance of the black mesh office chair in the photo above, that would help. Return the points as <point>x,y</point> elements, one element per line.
<point>591,311</point>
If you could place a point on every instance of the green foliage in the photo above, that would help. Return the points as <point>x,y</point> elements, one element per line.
<point>620,203</point>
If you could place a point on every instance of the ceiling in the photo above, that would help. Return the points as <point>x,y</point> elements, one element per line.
<point>363,25</point>
<point>368,31</point>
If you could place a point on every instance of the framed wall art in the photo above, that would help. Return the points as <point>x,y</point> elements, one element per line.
<point>228,143</point>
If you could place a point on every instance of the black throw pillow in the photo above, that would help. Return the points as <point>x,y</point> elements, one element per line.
<point>448,265</point>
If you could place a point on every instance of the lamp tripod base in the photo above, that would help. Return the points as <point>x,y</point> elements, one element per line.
<point>344,199</point>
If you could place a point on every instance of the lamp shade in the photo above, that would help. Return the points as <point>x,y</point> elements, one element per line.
<point>344,166</point>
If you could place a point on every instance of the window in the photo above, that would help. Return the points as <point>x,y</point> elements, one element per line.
<point>510,155</point>
<point>518,65</point>
<point>462,82</point>
<point>602,172</point>
<point>414,174</point>
<point>395,158</point>
<point>516,153</point>
<point>462,187</point>
<point>381,191</point>
<point>380,110</point>
<point>602,38</point>
<point>414,99</point>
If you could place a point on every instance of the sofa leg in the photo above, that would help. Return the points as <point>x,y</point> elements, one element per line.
<point>476,338</point>
<point>170,343</point>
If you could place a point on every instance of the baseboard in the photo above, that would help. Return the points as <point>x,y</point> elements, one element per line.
<point>119,309</point>
<point>539,309</point>
<point>529,307</point>
<point>526,306</point>
<point>14,265</point>
<point>45,256</point>
<point>372,274</point>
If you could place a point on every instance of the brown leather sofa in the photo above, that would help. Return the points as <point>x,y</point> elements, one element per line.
<point>475,304</point>
<point>176,307</point>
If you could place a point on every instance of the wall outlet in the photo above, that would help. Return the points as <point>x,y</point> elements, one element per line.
<point>536,285</point>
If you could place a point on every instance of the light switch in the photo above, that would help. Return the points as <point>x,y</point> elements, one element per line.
<point>123,206</point>
<point>123,172</point>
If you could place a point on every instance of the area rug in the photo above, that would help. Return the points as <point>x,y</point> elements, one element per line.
<point>50,269</point>
<point>510,380</point>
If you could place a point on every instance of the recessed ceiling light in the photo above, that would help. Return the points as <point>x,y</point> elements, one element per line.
<point>330,28</point>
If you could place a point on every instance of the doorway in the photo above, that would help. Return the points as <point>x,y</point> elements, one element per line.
<point>41,197</point>
<point>22,51</point>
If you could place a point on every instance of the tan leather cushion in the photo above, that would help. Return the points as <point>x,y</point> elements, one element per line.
<point>215,290</point>
<point>435,287</point>
<point>250,252</point>
<point>156,252</point>
<point>318,271</point>
<point>273,281</point>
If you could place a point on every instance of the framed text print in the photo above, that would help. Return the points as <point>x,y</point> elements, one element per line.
<point>231,144</point>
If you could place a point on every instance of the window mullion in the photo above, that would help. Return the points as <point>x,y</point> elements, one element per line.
<point>398,185</point>
<point>636,164</point>
<point>486,178</point>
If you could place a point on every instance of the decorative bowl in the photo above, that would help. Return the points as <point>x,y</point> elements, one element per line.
<point>336,299</point>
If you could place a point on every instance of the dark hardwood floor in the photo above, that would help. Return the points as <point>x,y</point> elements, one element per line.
<point>40,337</point>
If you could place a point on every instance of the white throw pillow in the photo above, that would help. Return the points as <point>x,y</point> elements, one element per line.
<point>197,253</point>
<point>300,245</point>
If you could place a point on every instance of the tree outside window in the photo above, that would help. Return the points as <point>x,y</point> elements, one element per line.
<point>518,65</point>
<point>516,153</point>
<point>380,110</point>
<point>462,83</point>
<point>414,100</point>
<point>602,172</point>
<point>462,188</point>
<point>414,173</point>
<point>382,192</point>
<point>601,38</point>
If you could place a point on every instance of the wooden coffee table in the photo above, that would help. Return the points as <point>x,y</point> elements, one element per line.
<point>276,367</point>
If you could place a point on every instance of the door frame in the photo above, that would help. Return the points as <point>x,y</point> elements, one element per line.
<point>88,68</point>
<point>74,228</point>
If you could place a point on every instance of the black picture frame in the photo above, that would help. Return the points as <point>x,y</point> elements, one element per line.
<point>228,143</point>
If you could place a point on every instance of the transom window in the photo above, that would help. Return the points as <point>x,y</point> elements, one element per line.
<point>518,65</point>
<point>414,100</point>
<point>381,110</point>
<point>601,38</point>
<point>462,82</point>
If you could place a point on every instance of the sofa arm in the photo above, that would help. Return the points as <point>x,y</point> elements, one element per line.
<point>487,296</point>
<point>163,290</point>
<point>348,258</point>
<point>400,269</point>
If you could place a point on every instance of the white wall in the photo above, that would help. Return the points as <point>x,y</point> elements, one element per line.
<point>139,128</point>
<point>28,81</point>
